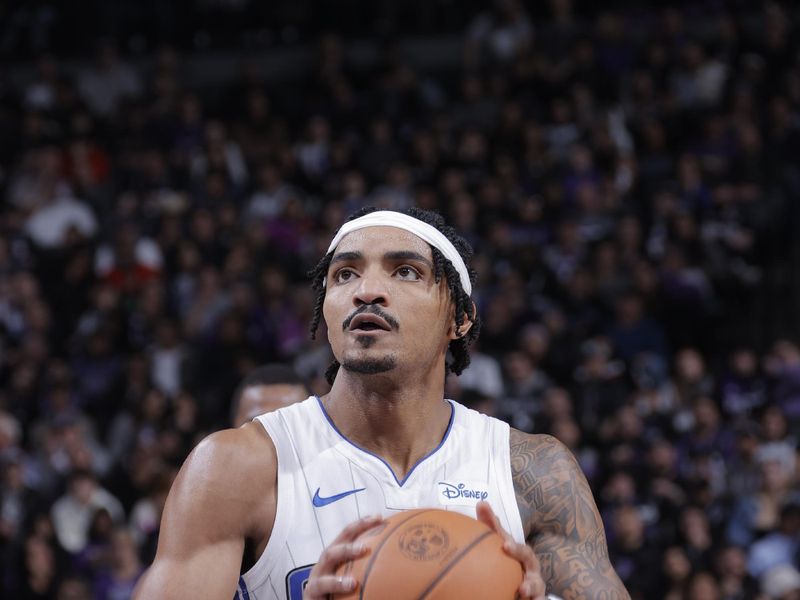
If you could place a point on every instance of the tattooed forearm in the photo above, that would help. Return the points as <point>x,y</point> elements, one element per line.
<point>561,520</point>
<point>579,570</point>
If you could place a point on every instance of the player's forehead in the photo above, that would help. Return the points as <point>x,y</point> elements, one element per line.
<point>376,241</point>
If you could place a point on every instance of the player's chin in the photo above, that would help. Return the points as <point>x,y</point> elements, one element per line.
<point>369,363</point>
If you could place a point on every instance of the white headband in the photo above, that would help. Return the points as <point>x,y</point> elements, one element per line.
<point>390,218</point>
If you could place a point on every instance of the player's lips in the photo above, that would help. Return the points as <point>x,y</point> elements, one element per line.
<point>369,322</point>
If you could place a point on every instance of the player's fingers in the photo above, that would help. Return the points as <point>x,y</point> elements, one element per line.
<point>319,588</point>
<point>485,514</point>
<point>356,528</point>
<point>336,554</point>
<point>322,580</point>
<point>532,587</point>
<point>524,554</point>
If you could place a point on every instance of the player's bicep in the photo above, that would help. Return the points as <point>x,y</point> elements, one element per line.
<point>203,527</point>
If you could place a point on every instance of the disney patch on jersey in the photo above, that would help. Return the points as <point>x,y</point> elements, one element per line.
<point>462,493</point>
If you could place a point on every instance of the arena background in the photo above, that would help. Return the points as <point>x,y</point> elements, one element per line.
<point>628,175</point>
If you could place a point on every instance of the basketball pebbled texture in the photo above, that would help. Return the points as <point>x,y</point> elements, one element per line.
<point>433,554</point>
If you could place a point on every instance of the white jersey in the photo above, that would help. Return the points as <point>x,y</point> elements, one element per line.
<point>326,482</point>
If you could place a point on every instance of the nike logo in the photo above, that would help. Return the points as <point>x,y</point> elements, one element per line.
<point>319,501</point>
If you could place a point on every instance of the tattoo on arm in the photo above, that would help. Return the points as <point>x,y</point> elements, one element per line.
<point>561,521</point>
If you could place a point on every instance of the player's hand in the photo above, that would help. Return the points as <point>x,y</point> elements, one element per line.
<point>323,580</point>
<point>532,586</point>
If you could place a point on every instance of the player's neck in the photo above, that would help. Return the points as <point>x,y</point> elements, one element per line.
<point>400,423</point>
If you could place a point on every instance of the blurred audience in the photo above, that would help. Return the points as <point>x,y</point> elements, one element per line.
<point>627,176</point>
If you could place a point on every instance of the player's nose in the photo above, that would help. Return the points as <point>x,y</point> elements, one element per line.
<point>372,288</point>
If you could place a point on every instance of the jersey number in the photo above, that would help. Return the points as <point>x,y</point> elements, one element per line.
<point>296,582</point>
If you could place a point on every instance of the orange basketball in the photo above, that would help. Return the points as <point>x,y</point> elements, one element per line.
<point>436,555</point>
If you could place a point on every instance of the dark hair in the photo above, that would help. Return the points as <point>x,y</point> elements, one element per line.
<point>462,303</point>
<point>269,374</point>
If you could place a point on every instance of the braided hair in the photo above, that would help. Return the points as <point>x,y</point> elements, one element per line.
<point>442,267</point>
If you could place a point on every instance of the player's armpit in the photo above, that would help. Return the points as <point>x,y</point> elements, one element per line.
<point>561,520</point>
<point>222,492</point>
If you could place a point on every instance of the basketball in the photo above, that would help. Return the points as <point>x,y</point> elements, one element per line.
<point>433,554</point>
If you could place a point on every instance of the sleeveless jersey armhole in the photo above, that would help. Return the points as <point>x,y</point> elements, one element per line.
<point>506,480</point>
<point>257,575</point>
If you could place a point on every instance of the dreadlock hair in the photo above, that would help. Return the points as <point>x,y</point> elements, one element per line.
<point>442,267</point>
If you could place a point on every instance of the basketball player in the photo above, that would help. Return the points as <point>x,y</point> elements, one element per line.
<point>301,483</point>
<point>267,388</point>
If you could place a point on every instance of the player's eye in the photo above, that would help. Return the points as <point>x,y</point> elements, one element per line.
<point>408,273</point>
<point>343,275</point>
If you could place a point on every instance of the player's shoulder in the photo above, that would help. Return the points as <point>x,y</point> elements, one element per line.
<point>249,444</point>
<point>542,469</point>
<point>241,459</point>
<point>538,452</point>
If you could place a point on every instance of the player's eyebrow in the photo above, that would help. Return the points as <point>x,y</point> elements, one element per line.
<point>394,255</point>
<point>408,255</point>
<point>346,257</point>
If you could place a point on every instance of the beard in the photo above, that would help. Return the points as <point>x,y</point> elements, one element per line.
<point>370,366</point>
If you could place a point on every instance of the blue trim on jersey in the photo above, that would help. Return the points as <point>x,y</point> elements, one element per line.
<point>243,587</point>
<point>419,462</point>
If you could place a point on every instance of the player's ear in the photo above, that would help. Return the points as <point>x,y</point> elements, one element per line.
<point>455,331</point>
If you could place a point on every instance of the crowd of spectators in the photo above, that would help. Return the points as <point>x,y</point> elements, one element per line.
<point>629,180</point>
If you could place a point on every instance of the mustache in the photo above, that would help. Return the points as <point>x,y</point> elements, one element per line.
<point>373,309</point>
